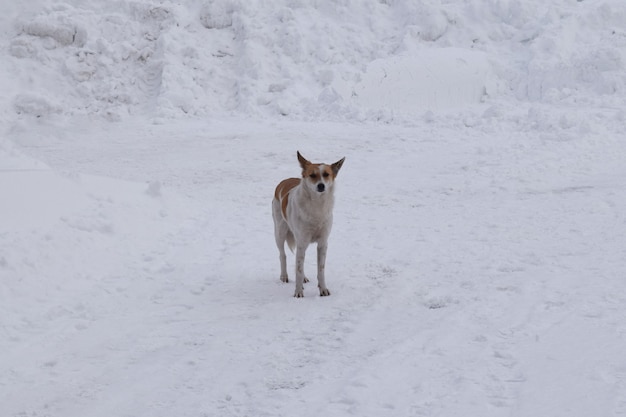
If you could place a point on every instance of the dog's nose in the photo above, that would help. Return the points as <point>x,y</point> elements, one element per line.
<point>321,187</point>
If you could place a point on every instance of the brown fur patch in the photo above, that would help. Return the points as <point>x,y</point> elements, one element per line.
<point>282,192</point>
<point>316,172</point>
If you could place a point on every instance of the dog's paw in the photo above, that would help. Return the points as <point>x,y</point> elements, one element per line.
<point>324,292</point>
<point>284,278</point>
<point>299,294</point>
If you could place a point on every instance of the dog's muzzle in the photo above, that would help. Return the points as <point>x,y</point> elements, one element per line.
<point>321,187</point>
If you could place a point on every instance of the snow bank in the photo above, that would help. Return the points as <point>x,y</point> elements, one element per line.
<point>59,234</point>
<point>437,79</point>
<point>59,31</point>
<point>310,60</point>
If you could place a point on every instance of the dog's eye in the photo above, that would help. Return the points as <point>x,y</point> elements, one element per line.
<point>325,174</point>
<point>313,176</point>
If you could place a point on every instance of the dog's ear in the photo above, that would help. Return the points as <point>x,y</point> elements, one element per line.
<point>303,161</point>
<point>337,165</point>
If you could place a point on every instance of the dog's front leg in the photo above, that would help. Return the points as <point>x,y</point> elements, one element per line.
<point>321,265</point>
<point>300,252</point>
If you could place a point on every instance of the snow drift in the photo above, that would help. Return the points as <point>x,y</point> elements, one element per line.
<point>116,59</point>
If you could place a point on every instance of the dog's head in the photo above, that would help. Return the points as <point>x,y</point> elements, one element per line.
<point>319,177</point>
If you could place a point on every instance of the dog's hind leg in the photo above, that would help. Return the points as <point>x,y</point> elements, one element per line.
<point>281,234</point>
<point>291,242</point>
<point>283,261</point>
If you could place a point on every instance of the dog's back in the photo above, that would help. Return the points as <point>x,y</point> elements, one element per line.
<point>282,193</point>
<point>282,231</point>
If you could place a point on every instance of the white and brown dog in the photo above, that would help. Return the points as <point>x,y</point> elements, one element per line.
<point>303,214</point>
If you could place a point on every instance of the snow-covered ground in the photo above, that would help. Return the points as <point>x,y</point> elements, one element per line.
<point>477,261</point>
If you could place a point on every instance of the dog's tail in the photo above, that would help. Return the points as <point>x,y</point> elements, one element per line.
<point>291,241</point>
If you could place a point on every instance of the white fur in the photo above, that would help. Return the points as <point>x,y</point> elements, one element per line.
<point>309,219</point>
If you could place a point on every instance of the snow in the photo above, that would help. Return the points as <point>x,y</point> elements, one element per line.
<point>476,262</point>
<point>448,78</point>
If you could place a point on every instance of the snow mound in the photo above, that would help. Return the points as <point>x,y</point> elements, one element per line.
<point>37,198</point>
<point>315,60</point>
<point>35,105</point>
<point>217,14</point>
<point>60,30</point>
<point>436,79</point>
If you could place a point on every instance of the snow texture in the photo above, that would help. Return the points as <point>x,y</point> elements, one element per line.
<point>477,258</point>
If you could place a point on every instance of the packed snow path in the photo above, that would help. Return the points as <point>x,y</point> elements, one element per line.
<point>472,272</point>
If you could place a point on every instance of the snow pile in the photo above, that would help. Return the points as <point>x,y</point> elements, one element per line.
<point>446,79</point>
<point>58,226</point>
<point>324,59</point>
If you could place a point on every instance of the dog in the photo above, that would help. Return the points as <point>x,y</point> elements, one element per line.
<point>302,209</point>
